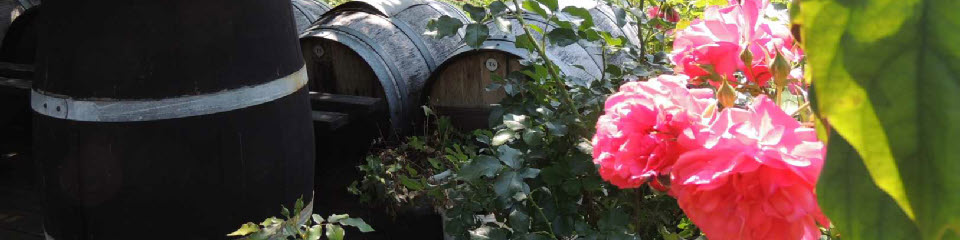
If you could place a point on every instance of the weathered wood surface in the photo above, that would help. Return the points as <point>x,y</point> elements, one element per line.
<point>415,14</point>
<point>458,88</point>
<point>398,59</point>
<point>604,18</point>
<point>19,43</point>
<point>216,171</point>
<point>306,12</point>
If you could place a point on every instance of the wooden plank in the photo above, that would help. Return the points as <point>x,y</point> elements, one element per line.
<point>330,121</point>
<point>13,70</point>
<point>359,106</point>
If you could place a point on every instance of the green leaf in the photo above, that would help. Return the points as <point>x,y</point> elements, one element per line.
<point>335,218</point>
<point>552,5</point>
<point>510,156</point>
<point>476,35</point>
<point>519,221</point>
<point>358,223</point>
<point>515,122</point>
<point>335,232</point>
<point>317,219</point>
<point>482,165</point>
<point>314,232</point>
<point>563,36</point>
<point>496,7</point>
<point>245,229</point>
<point>502,136</point>
<point>534,6</point>
<point>582,14</point>
<point>444,26</point>
<point>284,211</point>
<point>298,205</point>
<point>557,128</point>
<point>524,42</point>
<point>886,78</point>
<point>409,183</point>
<point>507,183</point>
<point>476,13</point>
<point>857,207</point>
<point>533,137</point>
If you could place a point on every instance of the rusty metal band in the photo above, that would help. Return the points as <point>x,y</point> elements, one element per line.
<point>136,110</point>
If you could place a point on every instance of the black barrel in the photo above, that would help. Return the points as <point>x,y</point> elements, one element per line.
<point>18,30</point>
<point>169,119</point>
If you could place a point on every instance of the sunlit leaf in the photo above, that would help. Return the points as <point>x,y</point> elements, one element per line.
<point>886,79</point>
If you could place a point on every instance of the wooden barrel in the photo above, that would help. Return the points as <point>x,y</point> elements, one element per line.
<point>10,10</point>
<point>18,30</point>
<point>306,12</point>
<point>377,49</point>
<point>604,18</point>
<point>457,88</point>
<point>171,119</point>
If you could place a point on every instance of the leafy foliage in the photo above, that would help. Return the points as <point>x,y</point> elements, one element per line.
<point>885,75</point>
<point>531,174</point>
<point>299,226</point>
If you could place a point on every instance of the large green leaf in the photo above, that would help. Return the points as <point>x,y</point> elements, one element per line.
<point>887,76</point>
<point>857,207</point>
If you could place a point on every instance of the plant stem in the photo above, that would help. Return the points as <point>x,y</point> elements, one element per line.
<point>636,210</point>
<point>542,215</point>
<point>561,86</point>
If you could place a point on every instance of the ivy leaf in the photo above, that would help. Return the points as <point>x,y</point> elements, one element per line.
<point>476,13</point>
<point>444,26</point>
<point>335,232</point>
<point>562,36</point>
<point>510,156</point>
<point>886,77</point>
<point>410,183</point>
<point>582,14</point>
<point>358,223</point>
<point>482,165</point>
<point>476,35</point>
<point>854,203</point>
<point>533,6</point>
<point>245,229</point>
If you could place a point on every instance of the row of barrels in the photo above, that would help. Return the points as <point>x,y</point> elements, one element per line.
<point>377,48</point>
<point>162,111</point>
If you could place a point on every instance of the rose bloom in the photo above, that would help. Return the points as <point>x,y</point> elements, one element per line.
<point>751,175</point>
<point>724,33</point>
<point>636,137</point>
<point>669,15</point>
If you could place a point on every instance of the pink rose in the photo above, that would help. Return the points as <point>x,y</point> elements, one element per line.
<point>724,33</point>
<point>636,137</point>
<point>750,174</point>
<point>669,15</point>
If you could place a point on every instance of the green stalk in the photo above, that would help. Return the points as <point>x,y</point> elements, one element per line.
<point>561,87</point>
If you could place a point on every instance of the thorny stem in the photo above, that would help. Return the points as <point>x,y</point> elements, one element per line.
<point>561,87</point>
<point>542,215</point>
